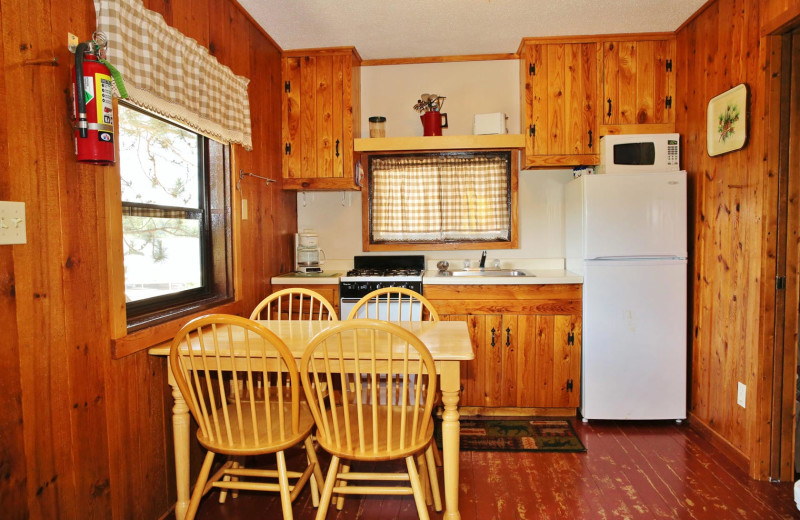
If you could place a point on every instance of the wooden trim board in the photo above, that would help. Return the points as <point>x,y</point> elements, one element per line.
<point>442,142</point>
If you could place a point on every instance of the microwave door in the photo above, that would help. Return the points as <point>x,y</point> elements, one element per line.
<point>635,154</point>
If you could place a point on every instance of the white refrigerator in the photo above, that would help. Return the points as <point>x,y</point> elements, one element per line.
<point>626,234</point>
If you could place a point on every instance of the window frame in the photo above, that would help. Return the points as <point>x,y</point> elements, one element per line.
<point>368,244</point>
<point>217,277</point>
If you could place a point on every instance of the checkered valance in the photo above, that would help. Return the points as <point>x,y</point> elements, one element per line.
<point>172,75</point>
<point>460,197</point>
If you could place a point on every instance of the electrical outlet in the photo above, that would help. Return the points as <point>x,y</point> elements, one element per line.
<point>12,223</point>
<point>244,209</point>
<point>740,396</point>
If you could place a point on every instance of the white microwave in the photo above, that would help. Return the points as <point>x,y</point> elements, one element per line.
<point>634,153</point>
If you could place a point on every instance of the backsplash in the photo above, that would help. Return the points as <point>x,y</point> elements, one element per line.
<point>336,217</point>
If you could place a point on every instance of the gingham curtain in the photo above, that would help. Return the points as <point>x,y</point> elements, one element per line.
<point>172,75</point>
<point>434,198</point>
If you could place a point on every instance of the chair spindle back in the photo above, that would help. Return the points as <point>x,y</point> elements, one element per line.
<point>294,304</point>
<point>384,383</point>
<point>217,361</point>
<point>394,304</point>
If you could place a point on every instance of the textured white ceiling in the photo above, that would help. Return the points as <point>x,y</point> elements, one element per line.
<point>415,28</point>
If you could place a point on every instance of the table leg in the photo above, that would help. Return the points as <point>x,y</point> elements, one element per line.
<point>451,384</point>
<point>180,435</point>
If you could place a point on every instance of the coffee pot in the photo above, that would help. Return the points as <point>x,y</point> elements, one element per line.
<point>308,257</point>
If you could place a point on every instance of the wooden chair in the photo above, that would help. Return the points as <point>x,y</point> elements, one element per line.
<point>404,305</point>
<point>294,304</point>
<point>369,362</point>
<point>394,304</point>
<point>210,357</point>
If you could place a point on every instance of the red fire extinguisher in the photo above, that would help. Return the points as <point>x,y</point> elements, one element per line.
<point>94,113</point>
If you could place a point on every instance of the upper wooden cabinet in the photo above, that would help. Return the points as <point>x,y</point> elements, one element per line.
<point>320,118</point>
<point>638,85</point>
<point>575,89</point>
<point>559,89</point>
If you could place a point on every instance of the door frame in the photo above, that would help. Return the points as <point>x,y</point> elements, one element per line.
<point>774,459</point>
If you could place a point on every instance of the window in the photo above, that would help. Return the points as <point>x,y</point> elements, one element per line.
<point>174,218</point>
<point>442,200</point>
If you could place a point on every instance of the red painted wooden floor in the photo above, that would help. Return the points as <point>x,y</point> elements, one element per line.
<point>648,471</point>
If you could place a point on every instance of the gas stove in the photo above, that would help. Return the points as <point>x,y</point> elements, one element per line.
<point>375,272</point>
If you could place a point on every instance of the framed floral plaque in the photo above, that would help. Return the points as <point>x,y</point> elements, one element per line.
<point>726,126</point>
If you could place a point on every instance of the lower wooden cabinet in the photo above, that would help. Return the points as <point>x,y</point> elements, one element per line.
<point>527,342</point>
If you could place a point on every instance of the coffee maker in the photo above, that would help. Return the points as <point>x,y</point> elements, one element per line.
<point>308,257</point>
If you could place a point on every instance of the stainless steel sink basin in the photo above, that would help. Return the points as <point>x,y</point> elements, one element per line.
<point>485,272</point>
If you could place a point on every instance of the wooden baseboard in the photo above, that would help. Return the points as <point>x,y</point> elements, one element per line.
<point>478,411</point>
<point>719,442</point>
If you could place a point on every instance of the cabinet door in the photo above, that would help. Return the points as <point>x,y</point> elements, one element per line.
<point>298,77</point>
<point>567,361</point>
<point>317,121</point>
<point>493,360</point>
<point>549,362</point>
<point>508,346</point>
<point>638,82</point>
<point>535,367</point>
<point>560,82</point>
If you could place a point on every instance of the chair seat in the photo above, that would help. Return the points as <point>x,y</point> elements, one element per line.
<point>353,450</point>
<point>221,445</point>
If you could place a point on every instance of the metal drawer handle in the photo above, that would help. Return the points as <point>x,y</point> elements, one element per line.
<point>493,331</point>
<point>508,337</point>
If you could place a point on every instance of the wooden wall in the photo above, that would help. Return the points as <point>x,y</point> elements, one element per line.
<point>729,254</point>
<point>83,435</point>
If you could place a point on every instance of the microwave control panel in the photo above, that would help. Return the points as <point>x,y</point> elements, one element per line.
<point>672,152</point>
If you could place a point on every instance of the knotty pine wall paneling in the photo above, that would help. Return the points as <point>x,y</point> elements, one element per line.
<point>83,435</point>
<point>730,226</point>
<point>13,478</point>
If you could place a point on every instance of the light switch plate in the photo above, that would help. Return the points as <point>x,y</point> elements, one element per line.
<point>244,209</point>
<point>740,396</point>
<point>12,223</point>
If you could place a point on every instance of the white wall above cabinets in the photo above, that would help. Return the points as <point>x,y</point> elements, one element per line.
<point>336,217</point>
<point>471,87</point>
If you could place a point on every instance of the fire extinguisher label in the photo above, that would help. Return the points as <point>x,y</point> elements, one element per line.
<point>88,89</point>
<point>105,111</point>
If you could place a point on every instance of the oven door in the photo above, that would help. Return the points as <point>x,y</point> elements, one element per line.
<point>405,311</point>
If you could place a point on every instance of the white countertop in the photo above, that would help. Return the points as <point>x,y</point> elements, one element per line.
<point>323,278</point>
<point>540,277</point>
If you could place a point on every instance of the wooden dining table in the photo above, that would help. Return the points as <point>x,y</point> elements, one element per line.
<point>449,344</point>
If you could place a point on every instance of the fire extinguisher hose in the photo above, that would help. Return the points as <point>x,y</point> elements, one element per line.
<point>82,125</point>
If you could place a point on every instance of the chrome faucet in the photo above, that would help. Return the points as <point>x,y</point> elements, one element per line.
<point>483,260</point>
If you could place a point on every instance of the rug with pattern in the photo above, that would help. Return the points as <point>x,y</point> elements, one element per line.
<point>523,434</point>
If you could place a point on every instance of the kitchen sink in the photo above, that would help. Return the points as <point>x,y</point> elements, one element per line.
<point>485,272</point>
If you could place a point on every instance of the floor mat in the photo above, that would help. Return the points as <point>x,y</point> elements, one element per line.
<point>524,434</point>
